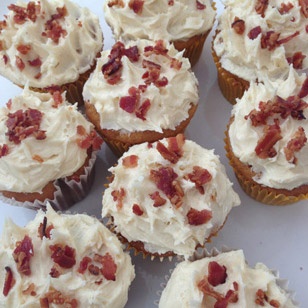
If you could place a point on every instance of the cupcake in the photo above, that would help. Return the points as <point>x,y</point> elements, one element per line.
<point>168,197</point>
<point>224,280</point>
<point>63,260</point>
<point>256,40</point>
<point>140,92</point>
<point>49,45</point>
<point>185,23</point>
<point>266,140</point>
<point>47,151</point>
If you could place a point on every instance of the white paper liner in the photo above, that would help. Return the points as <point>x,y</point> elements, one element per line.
<point>204,253</point>
<point>68,192</point>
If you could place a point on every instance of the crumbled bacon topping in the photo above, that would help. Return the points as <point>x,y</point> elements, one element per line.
<point>137,210</point>
<point>23,49</point>
<point>109,267</point>
<point>261,299</point>
<point>136,6</point>
<point>22,124</point>
<point>5,59</point>
<point>200,6</point>
<point>170,2</point>
<point>9,281</point>
<point>56,271</point>
<point>304,7</point>
<point>238,25</point>
<point>58,99</point>
<point>22,255</point>
<point>83,265</point>
<point>88,140</point>
<point>295,145</point>
<point>254,32</point>
<point>19,63</point>
<point>130,161</point>
<point>217,273</point>
<point>200,177</point>
<point>55,297</point>
<point>35,62</point>
<point>270,39</point>
<point>3,25</point>
<point>261,6</point>
<point>118,3</point>
<point>30,290</point>
<point>63,256</point>
<point>197,218</point>
<point>44,230</point>
<point>22,14</point>
<point>4,150</point>
<point>158,200</point>
<point>304,89</point>
<point>285,8</point>
<point>174,151</point>
<point>118,197</point>
<point>297,60</point>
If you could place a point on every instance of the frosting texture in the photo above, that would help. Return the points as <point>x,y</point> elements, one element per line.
<point>48,43</point>
<point>169,204</point>
<point>224,279</point>
<point>71,260</point>
<point>159,19</point>
<point>282,115</point>
<point>154,90</point>
<point>257,41</point>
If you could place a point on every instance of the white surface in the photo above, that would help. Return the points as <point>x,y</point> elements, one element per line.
<point>276,236</point>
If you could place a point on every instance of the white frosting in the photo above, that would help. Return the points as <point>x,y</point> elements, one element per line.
<point>61,63</point>
<point>61,154</point>
<point>182,290</point>
<point>159,20</point>
<point>169,104</point>
<point>243,56</point>
<point>87,236</point>
<point>166,228</point>
<point>274,172</point>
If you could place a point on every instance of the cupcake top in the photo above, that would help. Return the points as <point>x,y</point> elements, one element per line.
<point>48,43</point>
<point>268,131</point>
<point>42,138</point>
<point>159,19</point>
<point>55,259</point>
<point>225,280</point>
<point>171,195</point>
<point>259,38</point>
<point>142,86</point>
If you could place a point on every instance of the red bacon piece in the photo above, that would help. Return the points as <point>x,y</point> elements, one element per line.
<point>4,150</point>
<point>304,7</point>
<point>19,63</point>
<point>304,89</point>
<point>128,103</point>
<point>175,148</point>
<point>88,140</point>
<point>197,218</point>
<point>158,200</point>
<point>171,2</point>
<point>238,25</point>
<point>22,255</point>
<point>109,268</point>
<point>200,6</point>
<point>9,281</point>
<point>44,230</point>
<point>297,60</point>
<point>200,177</point>
<point>23,49</point>
<point>295,144</point>
<point>130,161</point>
<point>217,273</point>
<point>261,7</point>
<point>20,16</point>
<point>83,265</point>
<point>136,6</point>
<point>132,53</point>
<point>118,3</point>
<point>58,99</point>
<point>265,146</point>
<point>137,210</point>
<point>254,32</point>
<point>55,297</point>
<point>36,62</point>
<point>63,256</point>
<point>143,109</point>
<point>285,8</point>
<point>118,196</point>
<point>166,153</point>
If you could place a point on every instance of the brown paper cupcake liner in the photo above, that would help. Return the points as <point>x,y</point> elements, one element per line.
<point>261,193</point>
<point>67,191</point>
<point>231,86</point>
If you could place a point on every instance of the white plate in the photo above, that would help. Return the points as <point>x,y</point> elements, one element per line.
<point>276,236</point>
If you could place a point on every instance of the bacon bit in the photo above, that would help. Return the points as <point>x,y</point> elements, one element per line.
<point>3,25</point>
<point>130,161</point>
<point>22,124</point>
<point>275,303</point>
<point>200,177</point>
<point>295,145</point>
<point>1,45</point>
<point>158,49</point>
<point>118,196</point>
<point>36,62</point>
<point>254,32</point>
<point>132,53</point>
<point>43,230</point>
<point>297,60</point>
<point>176,64</point>
<point>136,6</point>
<point>9,104</point>
<point>83,265</point>
<point>137,210</point>
<point>128,103</point>
<point>171,2</point>
<point>269,40</point>
<point>166,153</point>
<point>9,281</point>
<point>55,271</point>
<point>118,3</point>
<point>304,7</point>
<point>217,274</point>
<point>197,218</point>
<point>23,49</point>
<point>238,25</point>
<point>304,89</point>
<point>22,14</point>
<point>54,296</point>
<point>174,151</point>
<point>158,200</point>
<point>109,266</point>
<point>63,256</point>
<point>58,99</point>
<point>142,111</point>
<point>261,7</point>
<point>200,6</point>
<point>4,150</point>
<point>38,158</point>
<point>23,254</point>
<point>5,59</point>
<point>261,298</point>
<point>285,8</point>
<point>88,140</point>
<point>265,146</point>
<point>94,270</point>
<point>30,290</point>
<point>19,63</point>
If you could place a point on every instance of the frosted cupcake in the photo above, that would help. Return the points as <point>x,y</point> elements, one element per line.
<point>256,40</point>
<point>185,23</point>
<point>267,140</point>
<point>140,91</point>
<point>224,280</point>
<point>49,45</point>
<point>168,197</point>
<point>63,260</point>
<point>47,151</point>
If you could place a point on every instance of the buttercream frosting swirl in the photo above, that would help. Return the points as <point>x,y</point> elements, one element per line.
<point>89,238</point>
<point>46,50</point>
<point>160,19</point>
<point>167,227</point>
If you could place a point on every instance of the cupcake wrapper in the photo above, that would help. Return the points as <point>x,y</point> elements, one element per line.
<point>231,86</point>
<point>67,193</point>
